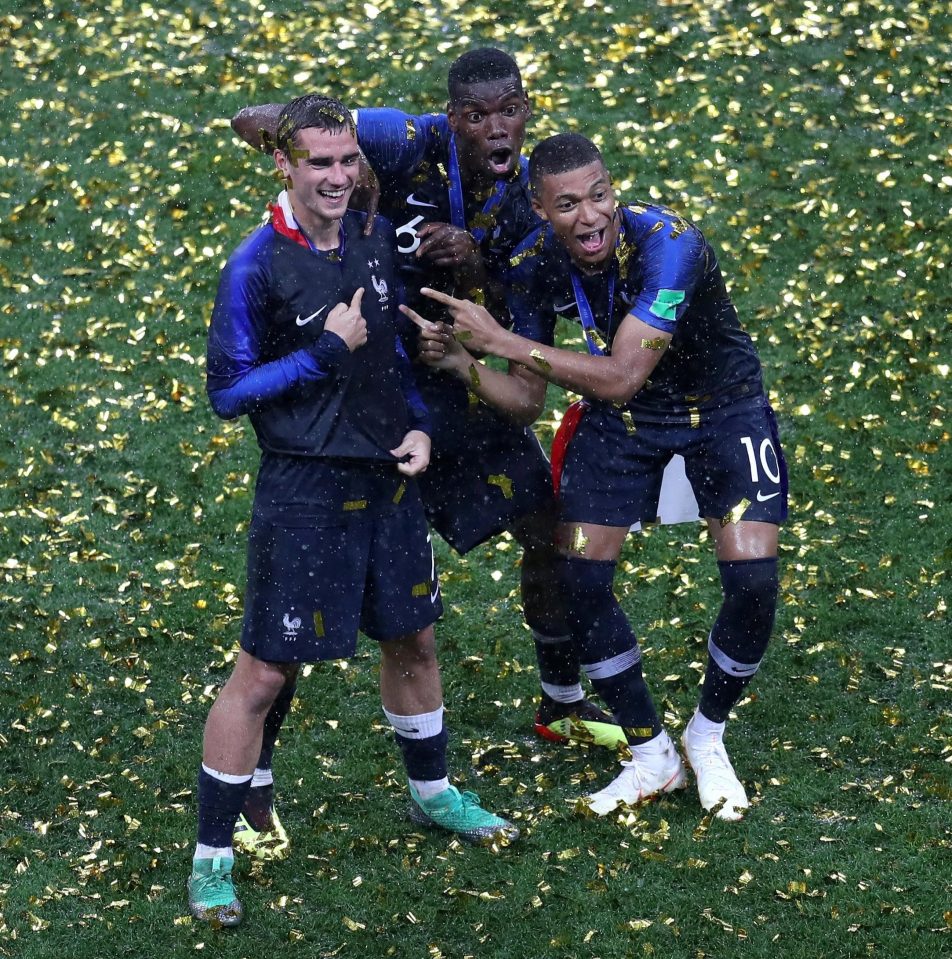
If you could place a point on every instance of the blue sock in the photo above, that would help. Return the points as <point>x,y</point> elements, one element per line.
<point>260,799</point>
<point>422,740</point>
<point>219,804</point>
<point>607,647</point>
<point>741,633</point>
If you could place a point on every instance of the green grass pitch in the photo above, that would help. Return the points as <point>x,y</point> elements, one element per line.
<point>810,142</point>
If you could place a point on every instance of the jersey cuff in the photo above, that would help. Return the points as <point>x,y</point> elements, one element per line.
<point>328,351</point>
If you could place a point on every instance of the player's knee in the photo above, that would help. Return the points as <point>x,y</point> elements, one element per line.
<point>747,615</point>
<point>600,630</point>
<point>413,651</point>
<point>587,587</point>
<point>260,683</point>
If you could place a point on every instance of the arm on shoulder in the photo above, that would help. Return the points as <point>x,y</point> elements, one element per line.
<point>257,125</point>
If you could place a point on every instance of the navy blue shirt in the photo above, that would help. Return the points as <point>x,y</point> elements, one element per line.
<point>410,155</point>
<point>270,357</point>
<point>666,274</point>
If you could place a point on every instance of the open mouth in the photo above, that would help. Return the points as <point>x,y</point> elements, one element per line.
<point>332,195</point>
<point>500,160</point>
<point>591,242</point>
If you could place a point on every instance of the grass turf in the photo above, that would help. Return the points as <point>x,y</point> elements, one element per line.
<point>806,142</point>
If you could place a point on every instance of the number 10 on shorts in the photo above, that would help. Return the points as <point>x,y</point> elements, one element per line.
<point>768,459</point>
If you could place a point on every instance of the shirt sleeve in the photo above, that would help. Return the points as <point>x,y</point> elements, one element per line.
<point>673,267</point>
<point>393,141</point>
<point>236,381</point>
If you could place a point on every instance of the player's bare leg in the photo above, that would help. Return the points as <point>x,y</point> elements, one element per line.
<point>412,697</point>
<point>232,744</point>
<point>235,722</point>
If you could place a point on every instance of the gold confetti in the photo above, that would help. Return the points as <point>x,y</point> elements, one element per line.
<point>809,152</point>
<point>503,482</point>
<point>540,360</point>
<point>579,541</point>
<point>735,515</point>
<point>639,732</point>
<point>401,489</point>
<point>318,624</point>
<point>659,343</point>
<point>352,505</point>
<point>629,421</point>
<point>462,336</point>
<point>421,589</point>
<point>474,375</point>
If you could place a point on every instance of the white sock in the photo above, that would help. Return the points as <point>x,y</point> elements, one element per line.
<point>210,852</point>
<point>653,748</point>
<point>232,778</point>
<point>564,694</point>
<point>420,726</point>
<point>262,777</point>
<point>700,727</point>
<point>428,788</point>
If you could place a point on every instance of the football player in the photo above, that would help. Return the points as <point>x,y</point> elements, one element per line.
<point>669,370</point>
<point>455,187</point>
<point>303,340</point>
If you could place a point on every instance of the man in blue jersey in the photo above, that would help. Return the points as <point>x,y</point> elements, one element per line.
<point>454,186</point>
<point>669,370</point>
<point>303,340</point>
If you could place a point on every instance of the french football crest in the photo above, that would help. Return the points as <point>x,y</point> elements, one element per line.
<point>381,287</point>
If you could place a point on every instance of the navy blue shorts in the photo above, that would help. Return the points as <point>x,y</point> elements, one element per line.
<point>485,474</point>
<point>349,551</point>
<point>733,460</point>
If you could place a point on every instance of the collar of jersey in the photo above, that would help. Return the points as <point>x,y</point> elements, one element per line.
<point>283,222</point>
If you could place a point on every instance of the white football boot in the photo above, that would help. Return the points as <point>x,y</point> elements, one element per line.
<point>717,784</point>
<point>641,779</point>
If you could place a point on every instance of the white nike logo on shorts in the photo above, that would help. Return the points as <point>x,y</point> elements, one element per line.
<point>307,319</point>
<point>562,307</point>
<point>763,499</point>
<point>413,201</point>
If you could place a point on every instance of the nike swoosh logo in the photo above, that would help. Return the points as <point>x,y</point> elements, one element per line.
<point>307,319</point>
<point>763,499</point>
<point>562,307</point>
<point>413,201</point>
<point>434,579</point>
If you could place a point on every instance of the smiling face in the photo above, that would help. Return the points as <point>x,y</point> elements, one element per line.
<point>489,120</point>
<point>321,173</point>
<point>580,205</point>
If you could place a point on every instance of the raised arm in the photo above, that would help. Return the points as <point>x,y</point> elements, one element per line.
<point>636,351</point>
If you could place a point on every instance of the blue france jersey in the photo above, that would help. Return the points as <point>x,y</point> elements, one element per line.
<point>270,357</point>
<point>666,275</point>
<point>410,155</point>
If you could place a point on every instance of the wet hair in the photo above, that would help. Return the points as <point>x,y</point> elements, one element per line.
<point>311,110</point>
<point>483,65</point>
<point>559,154</point>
